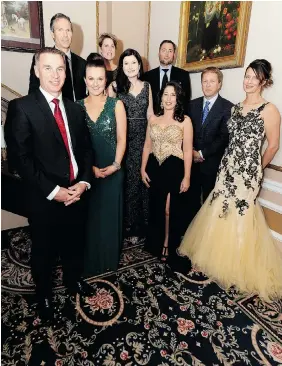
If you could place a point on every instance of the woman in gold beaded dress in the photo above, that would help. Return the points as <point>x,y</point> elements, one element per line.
<point>165,170</point>
<point>229,239</point>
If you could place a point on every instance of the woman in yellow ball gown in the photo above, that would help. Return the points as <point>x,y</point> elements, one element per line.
<point>229,239</point>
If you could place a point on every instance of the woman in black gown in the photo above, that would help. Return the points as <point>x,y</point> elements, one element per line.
<point>137,98</point>
<point>108,45</point>
<point>165,170</point>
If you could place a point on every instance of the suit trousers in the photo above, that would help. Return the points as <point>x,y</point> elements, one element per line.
<point>202,183</point>
<point>57,231</point>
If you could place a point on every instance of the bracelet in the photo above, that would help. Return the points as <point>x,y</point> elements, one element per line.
<point>116,165</point>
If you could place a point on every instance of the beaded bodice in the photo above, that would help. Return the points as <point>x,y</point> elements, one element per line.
<point>166,141</point>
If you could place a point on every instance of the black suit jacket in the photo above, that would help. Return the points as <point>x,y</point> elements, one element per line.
<point>36,148</point>
<point>78,71</point>
<point>177,74</point>
<point>211,137</point>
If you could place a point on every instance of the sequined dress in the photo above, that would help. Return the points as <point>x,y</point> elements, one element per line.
<point>136,194</point>
<point>229,238</point>
<point>165,169</point>
<point>105,215</point>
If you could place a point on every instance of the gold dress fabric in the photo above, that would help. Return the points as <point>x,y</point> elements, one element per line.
<point>229,239</point>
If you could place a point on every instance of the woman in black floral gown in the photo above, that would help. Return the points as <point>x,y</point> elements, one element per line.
<point>137,98</point>
<point>229,239</point>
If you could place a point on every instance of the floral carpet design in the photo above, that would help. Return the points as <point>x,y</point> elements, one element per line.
<point>144,314</point>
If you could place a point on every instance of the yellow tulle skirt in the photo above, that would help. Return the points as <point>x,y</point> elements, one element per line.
<point>235,250</point>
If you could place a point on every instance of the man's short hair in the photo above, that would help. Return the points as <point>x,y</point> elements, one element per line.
<point>168,41</point>
<point>58,16</point>
<point>214,70</point>
<point>51,50</point>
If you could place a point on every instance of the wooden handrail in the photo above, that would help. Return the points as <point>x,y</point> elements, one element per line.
<point>11,90</point>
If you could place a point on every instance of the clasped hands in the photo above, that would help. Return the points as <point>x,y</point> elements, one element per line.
<point>104,172</point>
<point>70,195</point>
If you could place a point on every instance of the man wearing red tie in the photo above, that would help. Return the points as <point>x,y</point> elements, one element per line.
<point>48,144</point>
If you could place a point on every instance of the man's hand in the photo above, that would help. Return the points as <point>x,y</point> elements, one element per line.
<point>197,157</point>
<point>64,195</point>
<point>77,191</point>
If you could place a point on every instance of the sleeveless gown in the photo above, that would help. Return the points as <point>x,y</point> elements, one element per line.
<point>105,213</point>
<point>229,238</point>
<point>165,169</point>
<point>136,193</point>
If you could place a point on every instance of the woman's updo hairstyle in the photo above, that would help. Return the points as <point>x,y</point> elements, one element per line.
<point>95,60</point>
<point>263,70</point>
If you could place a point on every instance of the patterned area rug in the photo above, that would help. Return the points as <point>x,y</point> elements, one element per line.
<point>144,314</point>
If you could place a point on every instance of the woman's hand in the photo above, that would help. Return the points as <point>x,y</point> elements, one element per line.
<point>185,184</point>
<point>145,178</point>
<point>98,172</point>
<point>109,170</point>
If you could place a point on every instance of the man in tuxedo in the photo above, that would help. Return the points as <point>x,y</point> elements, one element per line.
<point>209,115</point>
<point>49,144</point>
<point>74,86</point>
<point>159,76</point>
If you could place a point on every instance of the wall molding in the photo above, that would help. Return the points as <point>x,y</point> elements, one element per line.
<point>272,185</point>
<point>270,205</point>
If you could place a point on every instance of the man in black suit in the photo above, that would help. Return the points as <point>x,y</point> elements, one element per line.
<point>74,86</point>
<point>49,144</point>
<point>159,76</point>
<point>209,115</point>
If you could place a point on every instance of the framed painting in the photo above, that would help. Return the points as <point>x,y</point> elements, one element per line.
<point>213,33</point>
<point>21,26</point>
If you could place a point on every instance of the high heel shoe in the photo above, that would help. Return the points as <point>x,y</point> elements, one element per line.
<point>164,255</point>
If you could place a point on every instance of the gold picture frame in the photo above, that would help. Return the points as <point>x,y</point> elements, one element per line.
<point>213,33</point>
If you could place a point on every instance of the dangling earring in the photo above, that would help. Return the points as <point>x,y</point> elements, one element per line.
<point>104,92</point>
<point>87,92</point>
<point>162,106</point>
<point>138,75</point>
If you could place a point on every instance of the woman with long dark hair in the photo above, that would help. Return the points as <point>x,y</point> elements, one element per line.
<point>229,239</point>
<point>165,170</point>
<point>137,98</point>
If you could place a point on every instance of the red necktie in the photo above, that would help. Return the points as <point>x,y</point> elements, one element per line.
<point>61,124</point>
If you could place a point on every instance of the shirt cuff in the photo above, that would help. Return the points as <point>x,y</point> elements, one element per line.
<point>88,185</point>
<point>200,152</point>
<point>53,193</point>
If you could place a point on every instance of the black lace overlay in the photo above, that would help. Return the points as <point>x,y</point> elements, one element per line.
<point>240,173</point>
<point>136,193</point>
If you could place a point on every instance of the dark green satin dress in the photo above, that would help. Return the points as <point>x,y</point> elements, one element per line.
<point>104,223</point>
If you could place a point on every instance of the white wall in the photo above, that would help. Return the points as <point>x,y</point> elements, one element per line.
<point>264,41</point>
<point>15,66</point>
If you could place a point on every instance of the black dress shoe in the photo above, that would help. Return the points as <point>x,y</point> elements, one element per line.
<point>82,288</point>
<point>45,310</point>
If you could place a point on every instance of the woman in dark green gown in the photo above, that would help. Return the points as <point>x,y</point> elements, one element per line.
<point>106,120</point>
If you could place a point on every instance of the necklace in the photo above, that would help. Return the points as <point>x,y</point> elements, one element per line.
<point>246,105</point>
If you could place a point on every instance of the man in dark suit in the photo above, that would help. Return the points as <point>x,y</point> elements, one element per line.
<point>49,144</point>
<point>74,86</point>
<point>159,76</point>
<point>209,115</point>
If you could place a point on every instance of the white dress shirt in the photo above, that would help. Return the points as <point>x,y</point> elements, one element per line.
<point>212,101</point>
<point>162,73</point>
<point>49,99</point>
